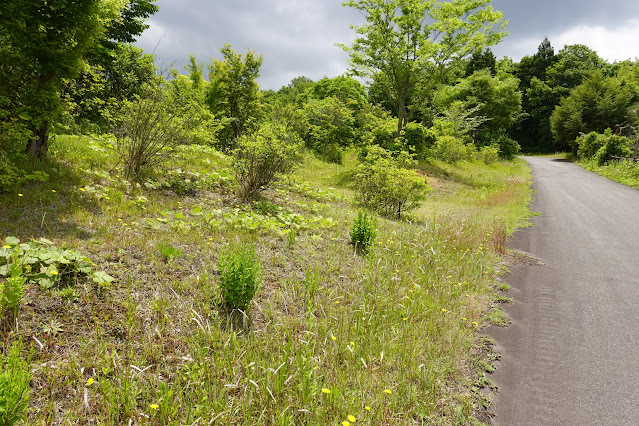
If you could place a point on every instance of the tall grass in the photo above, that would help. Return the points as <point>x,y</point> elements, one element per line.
<point>386,338</point>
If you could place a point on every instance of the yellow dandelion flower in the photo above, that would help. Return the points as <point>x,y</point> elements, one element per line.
<point>475,323</point>
<point>154,406</point>
<point>90,381</point>
<point>464,319</point>
<point>6,246</point>
<point>337,302</point>
<point>82,189</point>
<point>352,343</point>
<point>53,190</point>
<point>388,391</point>
<point>346,423</point>
<point>351,418</point>
<point>367,408</point>
<point>19,195</point>
<point>54,272</point>
<point>326,390</point>
<point>333,337</point>
<point>119,220</point>
<point>444,310</point>
<point>405,319</point>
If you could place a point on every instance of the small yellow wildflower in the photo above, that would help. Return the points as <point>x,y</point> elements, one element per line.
<point>82,189</point>
<point>475,323</point>
<point>346,423</point>
<point>119,220</point>
<point>19,195</point>
<point>352,343</point>
<point>54,272</point>
<point>337,302</point>
<point>333,337</point>
<point>350,418</point>
<point>405,319</point>
<point>444,310</point>
<point>464,319</point>
<point>388,391</point>
<point>53,190</point>
<point>90,381</point>
<point>326,390</point>
<point>154,406</point>
<point>367,408</point>
<point>6,246</point>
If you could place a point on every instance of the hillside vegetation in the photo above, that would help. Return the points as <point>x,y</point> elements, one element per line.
<point>387,336</point>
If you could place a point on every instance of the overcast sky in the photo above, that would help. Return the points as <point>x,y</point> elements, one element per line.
<point>297,37</point>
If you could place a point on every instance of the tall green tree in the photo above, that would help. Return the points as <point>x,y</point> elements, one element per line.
<point>598,103</point>
<point>42,43</point>
<point>414,43</point>
<point>233,93</point>
<point>480,60</point>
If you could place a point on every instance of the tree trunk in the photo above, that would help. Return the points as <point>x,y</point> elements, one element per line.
<point>401,116</point>
<point>39,145</point>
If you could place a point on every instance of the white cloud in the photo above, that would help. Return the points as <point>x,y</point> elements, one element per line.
<point>616,43</point>
<point>613,44</point>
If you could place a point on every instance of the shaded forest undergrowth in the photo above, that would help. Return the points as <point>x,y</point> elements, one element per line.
<point>389,336</point>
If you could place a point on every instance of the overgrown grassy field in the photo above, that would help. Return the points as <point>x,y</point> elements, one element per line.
<point>332,336</point>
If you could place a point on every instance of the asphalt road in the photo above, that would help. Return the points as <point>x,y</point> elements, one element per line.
<point>571,355</point>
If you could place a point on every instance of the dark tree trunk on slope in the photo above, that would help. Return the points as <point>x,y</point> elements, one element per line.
<point>39,144</point>
<point>401,116</point>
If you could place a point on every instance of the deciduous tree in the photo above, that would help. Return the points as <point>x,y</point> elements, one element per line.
<point>413,43</point>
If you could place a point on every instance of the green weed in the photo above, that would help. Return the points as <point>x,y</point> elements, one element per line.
<point>240,274</point>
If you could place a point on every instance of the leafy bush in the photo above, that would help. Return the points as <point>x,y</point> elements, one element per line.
<point>15,376</point>
<point>603,146</point>
<point>263,156</point>
<point>488,154</point>
<point>240,275</point>
<point>588,145</point>
<point>331,127</point>
<point>11,176</point>
<point>414,137</point>
<point>508,148</point>
<point>47,265</point>
<point>168,252</point>
<point>385,185</point>
<point>451,149</point>
<point>615,145</point>
<point>363,231</point>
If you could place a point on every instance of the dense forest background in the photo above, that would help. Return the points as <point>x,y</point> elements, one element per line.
<point>72,69</point>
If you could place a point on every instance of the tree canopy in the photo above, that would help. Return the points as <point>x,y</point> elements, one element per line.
<point>413,43</point>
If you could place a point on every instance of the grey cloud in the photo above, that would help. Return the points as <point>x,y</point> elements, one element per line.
<point>297,37</point>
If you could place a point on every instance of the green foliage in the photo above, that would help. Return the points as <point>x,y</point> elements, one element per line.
<point>168,252</point>
<point>240,275</point>
<point>35,63</point>
<point>602,147</point>
<point>233,94</point>
<point>495,103</point>
<point>363,231</point>
<point>43,263</point>
<point>12,290</point>
<point>412,44</point>
<point>481,60</point>
<point>262,157</point>
<point>15,376</point>
<point>414,137</point>
<point>384,184</point>
<point>488,154</point>
<point>148,129</point>
<point>348,90</point>
<point>598,103</point>
<point>452,149</point>
<point>331,126</point>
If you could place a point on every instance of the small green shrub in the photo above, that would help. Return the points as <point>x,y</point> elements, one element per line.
<point>168,252</point>
<point>451,149</point>
<point>508,148</point>
<point>15,376</point>
<point>589,144</point>
<point>488,154</point>
<point>262,157</point>
<point>240,275</point>
<point>384,184</point>
<point>363,231</point>
<point>12,290</point>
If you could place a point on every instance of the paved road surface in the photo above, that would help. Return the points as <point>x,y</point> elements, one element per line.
<point>571,356</point>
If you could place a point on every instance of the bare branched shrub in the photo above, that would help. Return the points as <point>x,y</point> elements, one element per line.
<point>148,130</point>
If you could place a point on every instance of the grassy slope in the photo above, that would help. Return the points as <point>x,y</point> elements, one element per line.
<point>390,335</point>
<point>622,171</point>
